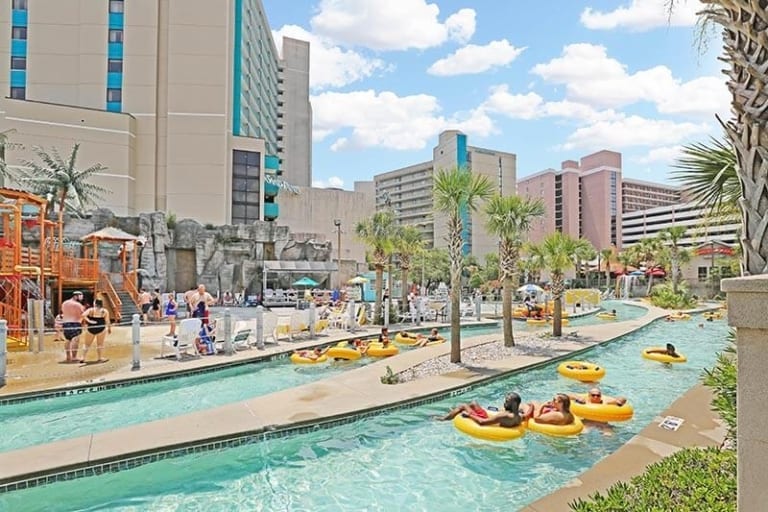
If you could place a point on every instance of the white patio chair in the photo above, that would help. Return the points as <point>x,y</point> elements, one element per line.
<point>188,331</point>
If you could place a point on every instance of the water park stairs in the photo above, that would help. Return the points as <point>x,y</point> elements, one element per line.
<point>128,308</point>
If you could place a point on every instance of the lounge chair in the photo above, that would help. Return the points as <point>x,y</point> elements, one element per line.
<point>188,331</point>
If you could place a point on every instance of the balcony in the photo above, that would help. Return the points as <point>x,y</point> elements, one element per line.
<point>270,189</point>
<point>271,211</point>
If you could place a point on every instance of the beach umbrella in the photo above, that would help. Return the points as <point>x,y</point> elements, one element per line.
<point>530,289</point>
<point>357,280</point>
<point>305,281</point>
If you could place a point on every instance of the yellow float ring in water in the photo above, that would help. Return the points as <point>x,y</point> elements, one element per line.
<point>563,321</point>
<point>376,349</point>
<point>407,341</point>
<point>495,433</point>
<point>536,321</point>
<point>438,341</point>
<point>683,316</point>
<point>606,413</point>
<point>297,359</point>
<point>572,429</point>
<point>713,315</point>
<point>343,351</point>
<point>606,316</point>
<point>662,358</point>
<point>581,371</point>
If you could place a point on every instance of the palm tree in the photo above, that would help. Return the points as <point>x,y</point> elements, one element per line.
<point>5,145</point>
<point>673,235</point>
<point>707,172</point>
<point>584,251</point>
<point>377,232</point>
<point>62,179</point>
<point>456,193</point>
<point>746,53</point>
<point>556,254</point>
<point>509,218</point>
<point>646,253</point>
<point>607,256</point>
<point>408,243</point>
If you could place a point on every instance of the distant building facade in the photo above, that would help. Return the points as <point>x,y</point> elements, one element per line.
<point>409,191</point>
<point>187,103</point>
<point>586,199</point>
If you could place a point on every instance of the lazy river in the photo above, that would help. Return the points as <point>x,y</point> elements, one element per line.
<point>405,460</point>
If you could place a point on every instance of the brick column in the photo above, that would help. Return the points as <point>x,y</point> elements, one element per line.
<point>748,312</point>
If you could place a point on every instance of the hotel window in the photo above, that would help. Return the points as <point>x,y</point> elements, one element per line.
<point>20,5</point>
<point>115,65</point>
<point>116,6</point>
<point>115,36</point>
<point>18,93</point>
<point>114,95</point>
<point>18,63</point>
<point>19,33</point>
<point>245,187</point>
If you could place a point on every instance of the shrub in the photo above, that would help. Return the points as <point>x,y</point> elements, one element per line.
<point>662,296</point>
<point>170,220</point>
<point>722,380</point>
<point>691,480</point>
<point>390,377</point>
<point>210,226</point>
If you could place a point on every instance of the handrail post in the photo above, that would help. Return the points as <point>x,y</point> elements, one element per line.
<point>136,337</point>
<point>3,350</point>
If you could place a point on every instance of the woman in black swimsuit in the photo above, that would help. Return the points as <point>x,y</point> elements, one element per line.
<point>97,327</point>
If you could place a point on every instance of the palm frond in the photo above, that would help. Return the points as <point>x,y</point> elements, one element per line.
<point>709,173</point>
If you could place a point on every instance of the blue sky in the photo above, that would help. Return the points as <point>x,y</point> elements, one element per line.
<point>549,81</point>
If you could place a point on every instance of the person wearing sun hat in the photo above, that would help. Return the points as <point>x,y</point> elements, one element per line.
<point>72,312</point>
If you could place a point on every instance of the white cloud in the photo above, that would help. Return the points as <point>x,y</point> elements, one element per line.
<point>331,66</point>
<point>632,131</point>
<point>663,155</point>
<point>533,106</point>
<point>590,76</point>
<point>642,15</point>
<point>473,59</point>
<point>461,25</point>
<point>386,120</point>
<point>390,25</point>
<point>332,182</point>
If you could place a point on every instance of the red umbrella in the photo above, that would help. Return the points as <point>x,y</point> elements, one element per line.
<point>656,272</point>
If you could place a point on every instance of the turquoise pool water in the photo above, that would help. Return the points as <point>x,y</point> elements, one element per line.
<point>623,312</point>
<point>52,419</point>
<point>404,460</point>
<point>62,417</point>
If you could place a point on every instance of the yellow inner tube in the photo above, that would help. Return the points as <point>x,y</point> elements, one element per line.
<point>402,340</point>
<point>684,316</point>
<point>573,429</point>
<point>605,413</point>
<point>297,359</point>
<point>563,321</point>
<point>582,371</point>
<point>438,341</point>
<point>376,349</point>
<point>343,351</point>
<point>606,316</point>
<point>496,433</point>
<point>662,358</point>
<point>535,321</point>
<point>715,315</point>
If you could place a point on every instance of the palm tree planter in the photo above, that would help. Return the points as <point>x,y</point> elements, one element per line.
<point>377,232</point>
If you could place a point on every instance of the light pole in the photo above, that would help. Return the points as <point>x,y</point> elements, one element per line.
<point>337,223</point>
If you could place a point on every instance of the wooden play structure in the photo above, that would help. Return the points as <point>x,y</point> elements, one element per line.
<point>36,262</point>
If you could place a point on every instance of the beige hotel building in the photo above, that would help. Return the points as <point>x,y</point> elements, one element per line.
<point>187,103</point>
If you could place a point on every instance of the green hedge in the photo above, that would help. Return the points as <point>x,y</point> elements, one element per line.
<point>691,480</point>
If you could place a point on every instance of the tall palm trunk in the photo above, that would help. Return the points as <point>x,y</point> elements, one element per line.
<point>557,297</point>
<point>405,264</point>
<point>746,50</point>
<point>379,267</point>
<point>508,257</point>
<point>454,248</point>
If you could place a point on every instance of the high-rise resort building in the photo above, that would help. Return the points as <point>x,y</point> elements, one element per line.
<point>408,191</point>
<point>187,103</point>
<point>586,199</point>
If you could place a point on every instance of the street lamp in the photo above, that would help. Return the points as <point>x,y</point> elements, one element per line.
<point>337,223</point>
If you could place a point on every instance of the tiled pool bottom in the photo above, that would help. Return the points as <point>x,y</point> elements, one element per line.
<point>380,463</point>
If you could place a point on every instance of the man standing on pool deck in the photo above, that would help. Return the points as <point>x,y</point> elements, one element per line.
<point>72,312</point>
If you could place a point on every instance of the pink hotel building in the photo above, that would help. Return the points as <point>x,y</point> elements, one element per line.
<point>586,199</point>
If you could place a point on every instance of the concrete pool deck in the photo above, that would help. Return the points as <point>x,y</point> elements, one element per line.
<point>336,397</point>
